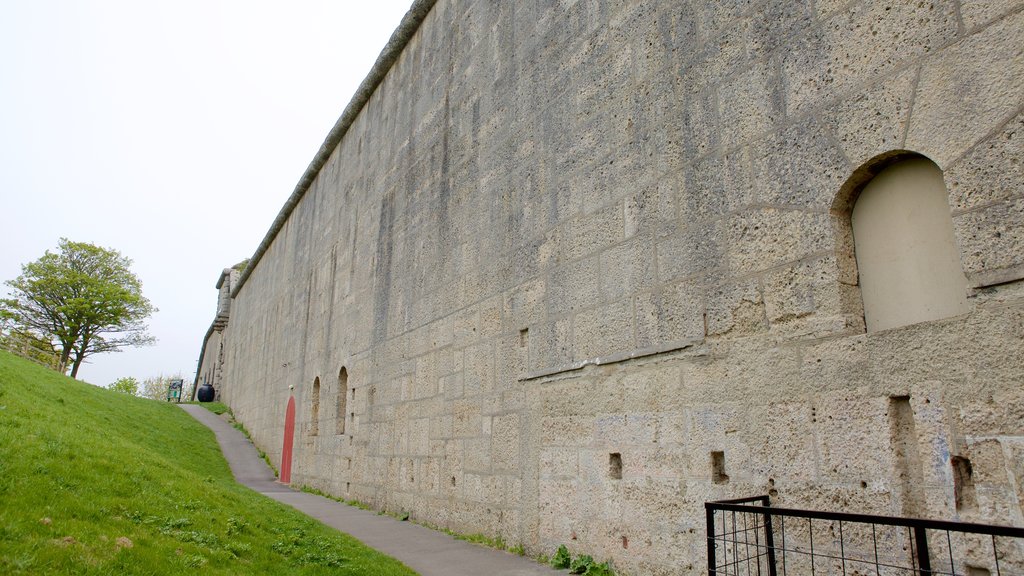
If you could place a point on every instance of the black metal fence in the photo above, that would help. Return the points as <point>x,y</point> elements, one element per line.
<point>750,537</point>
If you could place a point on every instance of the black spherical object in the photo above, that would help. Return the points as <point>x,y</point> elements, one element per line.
<point>205,393</point>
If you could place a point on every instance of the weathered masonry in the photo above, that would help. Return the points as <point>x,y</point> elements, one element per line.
<point>564,271</point>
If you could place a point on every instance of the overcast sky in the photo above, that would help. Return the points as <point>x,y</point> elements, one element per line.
<point>172,132</point>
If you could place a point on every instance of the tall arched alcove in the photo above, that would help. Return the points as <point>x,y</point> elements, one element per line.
<point>339,422</point>
<point>314,413</point>
<point>894,216</point>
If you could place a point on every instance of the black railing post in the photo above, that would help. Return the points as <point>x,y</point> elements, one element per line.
<point>769,539</point>
<point>924,563</point>
<point>712,570</point>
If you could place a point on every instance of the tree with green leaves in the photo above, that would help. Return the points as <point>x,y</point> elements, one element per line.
<point>156,387</point>
<point>128,385</point>
<point>84,299</point>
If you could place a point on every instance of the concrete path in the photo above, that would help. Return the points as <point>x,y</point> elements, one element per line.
<point>426,551</point>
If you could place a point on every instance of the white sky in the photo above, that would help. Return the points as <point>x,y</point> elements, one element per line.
<point>171,131</point>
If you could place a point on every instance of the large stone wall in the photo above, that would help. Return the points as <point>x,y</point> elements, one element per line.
<point>562,231</point>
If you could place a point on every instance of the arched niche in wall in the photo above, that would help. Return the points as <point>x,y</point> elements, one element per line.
<point>314,412</point>
<point>342,401</point>
<point>900,243</point>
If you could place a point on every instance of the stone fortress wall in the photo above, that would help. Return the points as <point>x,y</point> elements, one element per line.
<point>575,268</point>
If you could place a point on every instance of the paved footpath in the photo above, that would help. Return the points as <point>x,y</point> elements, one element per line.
<point>429,552</point>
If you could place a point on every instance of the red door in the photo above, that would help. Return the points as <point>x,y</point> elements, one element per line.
<point>289,435</point>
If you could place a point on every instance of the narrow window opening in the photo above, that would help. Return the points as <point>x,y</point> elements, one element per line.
<point>615,466</point>
<point>963,483</point>
<point>906,456</point>
<point>314,417</point>
<point>718,475</point>
<point>524,337</point>
<point>342,401</point>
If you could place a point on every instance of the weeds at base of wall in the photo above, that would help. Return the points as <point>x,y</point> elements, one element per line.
<point>404,516</point>
<point>583,564</point>
<point>352,503</point>
<point>498,543</point>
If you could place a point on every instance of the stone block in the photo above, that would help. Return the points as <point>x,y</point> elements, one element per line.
<point>466,419</point>
<point>774,24</point>
<point>992,242</point>
<point>765,238</point>
<point>716,186</point>
<point>573,286</point>
<point>479,369</point>
<point>651,212</point>
<point>551,345</point>
<point>505,445</point>
<point>874,121</point>
<point>995,413</point>
<point>696,250</point>
<point>524,304</point>
<point>799,167</point>
<point>491,316</point>
<point>586,234</point>
<point>990,172</point>
<point>859,43</point>
<point>603,330</point>
<point>652,389</point>
<point>476,454</point>
<point>566,431</point>
<point>787,453</point>
<point>810,287</point>
<point>674,314</point>
<point>968,90</point>
<point>617,430</point>
<point>725,48</point>
<point>978,13</point>
<point>559,463</point>
<point>512,359</point>
<point>700,123</point>
<point>751,103</point>
<point>627,269</point>
<point>853,439</point>
<point>736,310</point>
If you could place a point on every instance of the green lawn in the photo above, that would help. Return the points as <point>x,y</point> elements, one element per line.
<point>98,482</point>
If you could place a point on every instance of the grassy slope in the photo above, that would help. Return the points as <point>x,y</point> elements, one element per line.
<point>82,469</point>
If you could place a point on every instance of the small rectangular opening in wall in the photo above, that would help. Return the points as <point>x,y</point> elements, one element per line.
<point>615,466</point>
<point>909,468</point>
<point>524,337</point>
<point>718,475</point>
<point>963,483</point>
